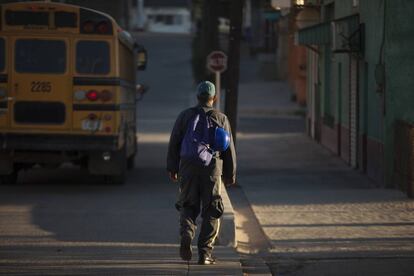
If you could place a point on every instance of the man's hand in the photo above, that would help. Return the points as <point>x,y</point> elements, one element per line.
<point>229,181</point>
<point>173,176</point>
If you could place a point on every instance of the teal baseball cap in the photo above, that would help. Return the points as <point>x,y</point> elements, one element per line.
<point>206,88</point>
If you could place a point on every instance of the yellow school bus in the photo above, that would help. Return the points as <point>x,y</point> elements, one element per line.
<point>67,90</point>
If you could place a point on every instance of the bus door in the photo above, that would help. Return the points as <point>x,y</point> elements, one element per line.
<point>40,84</point>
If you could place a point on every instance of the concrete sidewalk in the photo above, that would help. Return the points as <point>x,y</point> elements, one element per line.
<point>105,258</point>
<point>309,204</point>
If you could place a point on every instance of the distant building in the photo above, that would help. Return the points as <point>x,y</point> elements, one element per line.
<point>270,31</point>
<point>167,16</point>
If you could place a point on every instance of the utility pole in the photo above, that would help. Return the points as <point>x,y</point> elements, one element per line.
<point>141,14</point>
<point>210,27</point>
<point>236,17</point>
<point>126,13</point>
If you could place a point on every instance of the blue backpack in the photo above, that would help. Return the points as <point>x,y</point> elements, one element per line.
<point>197,141</point>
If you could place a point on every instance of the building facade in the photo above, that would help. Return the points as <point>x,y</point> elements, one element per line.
<point>361,74</point>
<point>291,58</point>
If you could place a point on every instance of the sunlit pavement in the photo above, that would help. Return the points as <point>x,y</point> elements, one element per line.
<point>316,215</point>
<point>64,222</point>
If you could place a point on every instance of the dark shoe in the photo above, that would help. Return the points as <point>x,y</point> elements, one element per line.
<point>185,248</point>
<point>206,260</point>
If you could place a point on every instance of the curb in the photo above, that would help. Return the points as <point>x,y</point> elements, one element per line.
<point>227,231</point>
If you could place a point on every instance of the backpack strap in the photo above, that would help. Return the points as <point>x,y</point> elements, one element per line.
<point>200,110</point>
<point>209,114</point>
<point>196,111</point>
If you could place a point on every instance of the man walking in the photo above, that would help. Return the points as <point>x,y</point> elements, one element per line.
<point>200,184</point>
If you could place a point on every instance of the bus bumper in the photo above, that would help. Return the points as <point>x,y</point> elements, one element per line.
<point>54,142</point>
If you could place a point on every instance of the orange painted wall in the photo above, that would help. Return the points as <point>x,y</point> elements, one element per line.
<point>297,70</point>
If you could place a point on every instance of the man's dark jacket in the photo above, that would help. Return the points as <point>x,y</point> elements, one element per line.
<point>222,164</point>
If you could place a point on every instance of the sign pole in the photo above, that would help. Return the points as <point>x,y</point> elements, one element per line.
<point>218,90</point>
<point>217,64</point>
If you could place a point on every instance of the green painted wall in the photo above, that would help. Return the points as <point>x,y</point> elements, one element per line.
<point>363,96</point>
<point>342,61</point>
<point>339,90</point>
<point>371,14</point>
<point>399,62</point>
<point>344,8</point>
<point>322,77</point>
<point>389,41</point>
<point>339,100</point>
<point>327,87</point>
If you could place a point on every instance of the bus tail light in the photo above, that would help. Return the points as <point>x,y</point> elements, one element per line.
<point>106,95</point>
<point>92,95</point>
<point>95,22</point>
<point>103,27</point>
<point>88,27</point>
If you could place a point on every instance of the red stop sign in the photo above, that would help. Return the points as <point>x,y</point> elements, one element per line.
<point>217,62</point>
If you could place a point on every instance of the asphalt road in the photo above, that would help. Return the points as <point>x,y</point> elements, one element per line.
<point>63,221</point>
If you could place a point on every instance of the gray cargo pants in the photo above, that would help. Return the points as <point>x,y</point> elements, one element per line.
<point>200,191</point>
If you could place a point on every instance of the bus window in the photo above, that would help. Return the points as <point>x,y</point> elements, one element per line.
<point>16,18</point>
<point>65,20</point>
<point>2,54</point>
<point>40,56</point>
<point>92,57</point>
